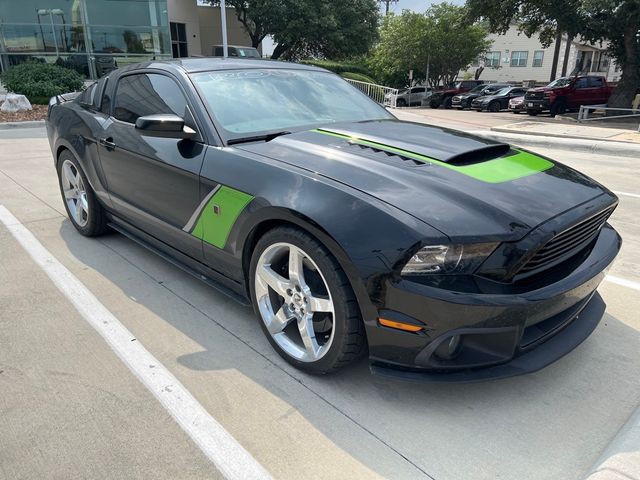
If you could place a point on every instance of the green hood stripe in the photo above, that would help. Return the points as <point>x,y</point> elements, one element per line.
<point>499,170</point>
<point>219,215</point>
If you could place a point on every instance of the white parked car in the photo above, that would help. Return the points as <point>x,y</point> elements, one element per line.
<point>408,97</point>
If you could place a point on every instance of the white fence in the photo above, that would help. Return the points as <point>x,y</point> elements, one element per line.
<point>583,114</point>
<point>381,94</point>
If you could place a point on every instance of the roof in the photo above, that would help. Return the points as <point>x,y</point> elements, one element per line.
<point>205,64</point>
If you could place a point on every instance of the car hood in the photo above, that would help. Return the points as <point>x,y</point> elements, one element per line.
<point>464,186</point>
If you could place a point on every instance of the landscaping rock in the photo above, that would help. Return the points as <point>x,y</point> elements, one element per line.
<point>15,103</point>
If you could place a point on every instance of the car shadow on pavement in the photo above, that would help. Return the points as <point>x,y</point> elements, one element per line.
<point>550,424</point>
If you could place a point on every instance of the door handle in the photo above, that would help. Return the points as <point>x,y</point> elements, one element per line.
<point>107,143</point>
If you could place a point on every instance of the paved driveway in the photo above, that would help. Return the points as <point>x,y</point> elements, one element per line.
<point>69,408</point>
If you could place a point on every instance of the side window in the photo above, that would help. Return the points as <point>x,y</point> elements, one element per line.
<point>86,98</point>
<point>105,104</point>
<point>417,90</point>
<point>144,94</point>
<point>596,82</point>
<point>582,83</point>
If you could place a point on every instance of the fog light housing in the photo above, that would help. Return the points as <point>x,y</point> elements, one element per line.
<point>449,348</point>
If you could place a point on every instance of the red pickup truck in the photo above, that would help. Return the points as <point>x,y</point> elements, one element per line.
<point>567,93</point>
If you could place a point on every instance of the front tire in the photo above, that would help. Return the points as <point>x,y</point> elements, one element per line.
<point>304,301</point>
<point>447,102</point>
<point>494,107</point>
<point>80,202</point>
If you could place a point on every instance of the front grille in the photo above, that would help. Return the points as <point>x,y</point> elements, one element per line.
<point>567,243</point>
<point>534,96</point>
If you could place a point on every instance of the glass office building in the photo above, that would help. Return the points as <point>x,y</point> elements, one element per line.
<point>90,36</point>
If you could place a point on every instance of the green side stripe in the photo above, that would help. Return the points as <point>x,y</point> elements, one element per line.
<point>214,228</point>
<point>503,169</point>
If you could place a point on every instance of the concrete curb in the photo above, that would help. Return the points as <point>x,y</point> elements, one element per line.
<point>603,147</point>
<point>554,135</point>
<point>621,459</point>
<point>29,124</point>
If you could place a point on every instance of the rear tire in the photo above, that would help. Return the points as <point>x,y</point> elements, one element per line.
<point>83,208</point>
<point>401,102</point>
<point>447,102</point>
<point>434,104</point>
<point>307,309</point>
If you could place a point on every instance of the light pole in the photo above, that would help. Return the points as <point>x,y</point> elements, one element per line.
<point>223,22</point>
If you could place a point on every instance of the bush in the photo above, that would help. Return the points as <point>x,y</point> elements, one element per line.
<point>338,67</point>
<point>358,76</point>
<point>41,81</point>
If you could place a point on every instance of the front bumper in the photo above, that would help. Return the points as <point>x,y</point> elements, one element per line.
<point>502,333</point>
<point>537,105</point>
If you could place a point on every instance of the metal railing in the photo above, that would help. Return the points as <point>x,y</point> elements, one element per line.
<point>583,113</point>
<point>381,94</point>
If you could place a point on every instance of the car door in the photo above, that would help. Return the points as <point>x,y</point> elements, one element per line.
<point>417,94</point>
<point>581,92</point>
<point>599,93</point>
<point>153,182</point>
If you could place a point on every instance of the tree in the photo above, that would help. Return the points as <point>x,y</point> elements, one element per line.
<point>332,29</point>
<point>439,39</point>
<point>614,23</point>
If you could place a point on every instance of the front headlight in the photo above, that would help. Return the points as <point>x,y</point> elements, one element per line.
<point>448,259</point>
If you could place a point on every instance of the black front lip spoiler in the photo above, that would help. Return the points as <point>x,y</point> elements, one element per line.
<point>543,355</point>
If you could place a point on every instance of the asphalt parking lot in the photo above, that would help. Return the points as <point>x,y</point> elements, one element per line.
<point>70,407</point>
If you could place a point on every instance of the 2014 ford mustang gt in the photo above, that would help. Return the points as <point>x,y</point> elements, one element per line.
<point>442,255</point>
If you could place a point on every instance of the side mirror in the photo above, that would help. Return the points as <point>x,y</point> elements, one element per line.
<point>164,125</point>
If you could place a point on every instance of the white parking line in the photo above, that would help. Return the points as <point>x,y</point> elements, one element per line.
<point>623,282</point>
<point>229,457</point>
<point>634,195</point>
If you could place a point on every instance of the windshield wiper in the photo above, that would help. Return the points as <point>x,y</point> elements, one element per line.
<point>266,137</point>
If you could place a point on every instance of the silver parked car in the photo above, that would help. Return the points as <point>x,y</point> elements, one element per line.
<point>409,97</point>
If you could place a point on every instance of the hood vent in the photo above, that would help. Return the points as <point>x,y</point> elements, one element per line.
<point>379,153</point>
<point>479,155</point>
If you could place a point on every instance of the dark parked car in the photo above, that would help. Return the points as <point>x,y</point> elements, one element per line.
<point>464,100</point>
<point>445,95</point>
<point>450,257</point>
<point>498,100</point>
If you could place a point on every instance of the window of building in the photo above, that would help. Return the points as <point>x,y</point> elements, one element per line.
<point>492,59</point>
<point>538,55</point>
<point>179,45</point>
<point>92,37</point>
<point>519,58</point>
<point>147,94</point>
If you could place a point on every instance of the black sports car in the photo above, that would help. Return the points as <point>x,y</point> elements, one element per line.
<point>464,100</point>
<point>450,257</point>
<point>498,100</point>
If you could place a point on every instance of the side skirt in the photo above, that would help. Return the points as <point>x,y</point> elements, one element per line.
<point>203,273</point>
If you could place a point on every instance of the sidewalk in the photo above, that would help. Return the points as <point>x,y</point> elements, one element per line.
<point>563,130</point>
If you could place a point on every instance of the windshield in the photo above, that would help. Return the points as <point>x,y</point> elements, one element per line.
<point>257,101</point>
<point>560,82</point>
<point>478,89</point>
<point>248,52</point>
<point>502,91</point>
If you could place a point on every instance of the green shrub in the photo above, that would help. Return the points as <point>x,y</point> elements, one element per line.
<point>338,67</point>
<point>358,76</point>
<point>41,81</point>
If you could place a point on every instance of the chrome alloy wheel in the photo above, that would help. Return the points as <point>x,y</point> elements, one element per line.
<point>74,193</point>
<point>294,302</point>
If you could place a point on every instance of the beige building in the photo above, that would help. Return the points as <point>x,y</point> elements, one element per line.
<point>517,58</point>
<point>196,28</point>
